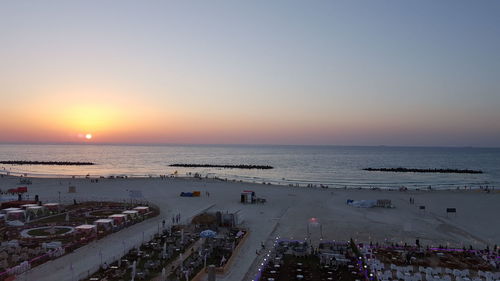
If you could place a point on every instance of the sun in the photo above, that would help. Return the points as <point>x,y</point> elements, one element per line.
<point>88,136</point>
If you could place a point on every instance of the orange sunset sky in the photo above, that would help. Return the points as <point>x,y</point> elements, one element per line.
<point>329,73</point>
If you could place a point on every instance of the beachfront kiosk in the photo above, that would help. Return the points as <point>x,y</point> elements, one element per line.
<point>142,209</point>
<point>16,215</point>
<point>247,196</point>
<point>86,229</point>
<point>35,210</point>
<point>106,224</point>
<point>119,219</point>
<point>131,214</point>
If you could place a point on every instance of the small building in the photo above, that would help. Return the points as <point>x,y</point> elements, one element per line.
<point>229,219</point>
<point>247,196</point>
<point>36,210</point>
<point>142,209</point>
<point>87,229</point>
<point>118,219</point>
<point>16,215</point>
<point>105,224</point>
<point>131,214</point>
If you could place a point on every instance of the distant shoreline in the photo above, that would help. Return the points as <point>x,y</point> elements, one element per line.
<point>218,179</point>
<point>408,170</point>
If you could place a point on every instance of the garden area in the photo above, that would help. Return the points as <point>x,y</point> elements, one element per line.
<point>59,229</point>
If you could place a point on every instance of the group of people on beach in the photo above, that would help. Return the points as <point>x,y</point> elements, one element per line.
<point>314,185</point>
<point>164,177</point>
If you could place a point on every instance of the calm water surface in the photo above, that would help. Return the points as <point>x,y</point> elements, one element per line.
<point>330,165</point>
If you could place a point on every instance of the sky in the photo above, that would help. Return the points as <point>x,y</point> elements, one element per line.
<point>416,73</point>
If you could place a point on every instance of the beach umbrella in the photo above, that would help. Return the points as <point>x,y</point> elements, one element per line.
<point>208,233</point>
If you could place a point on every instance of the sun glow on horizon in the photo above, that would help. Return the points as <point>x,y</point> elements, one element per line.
<point>331,73</point>
<point>88,136</point>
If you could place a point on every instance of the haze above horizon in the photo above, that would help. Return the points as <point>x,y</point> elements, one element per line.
<point>389,73</point>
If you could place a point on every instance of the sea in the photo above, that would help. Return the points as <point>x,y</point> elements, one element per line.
<point>333,166</point>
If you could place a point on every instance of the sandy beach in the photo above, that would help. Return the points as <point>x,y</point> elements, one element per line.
<point>285,214</point>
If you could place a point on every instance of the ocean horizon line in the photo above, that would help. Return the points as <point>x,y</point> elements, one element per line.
<point>250,145</point>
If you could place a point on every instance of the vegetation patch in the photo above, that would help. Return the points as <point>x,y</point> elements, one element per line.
<point>48,231</point>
